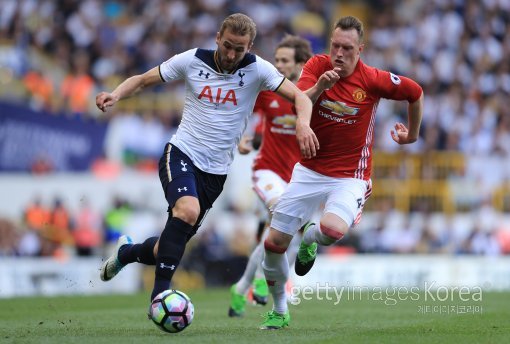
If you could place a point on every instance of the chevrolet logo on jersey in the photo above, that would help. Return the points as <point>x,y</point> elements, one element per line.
<point>287,121</point>
<point>339,108</point>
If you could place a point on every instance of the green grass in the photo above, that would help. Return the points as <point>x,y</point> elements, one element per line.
<point>122,319</point>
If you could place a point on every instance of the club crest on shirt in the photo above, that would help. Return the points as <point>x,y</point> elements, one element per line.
<point>339,108</point>
<point>359,95</point>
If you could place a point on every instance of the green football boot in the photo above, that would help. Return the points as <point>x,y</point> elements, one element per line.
<point>237,303</point>
<point>260,291</point>
<point>275,321</point>
<point>306,254</point>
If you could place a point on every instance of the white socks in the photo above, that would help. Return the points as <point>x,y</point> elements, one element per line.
<point>254,262</point>
<point>314,234</point>
<point>276,269</point>
<point>293,248</point>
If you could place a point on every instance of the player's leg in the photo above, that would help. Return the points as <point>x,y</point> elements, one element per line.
<point>260,292</point>
<point>125,253</point>
<point>239,290</point>
<point>343,206</point>
<point>178,179</point>
<point>268,186</point>
<point>294,246</point>
<point>291,257</point>
<point>298,202</point>
<point>253,276</point>
<point>314,235</point>
<point>276,270</point>
<point>187,214</point>
<point>173,239</point>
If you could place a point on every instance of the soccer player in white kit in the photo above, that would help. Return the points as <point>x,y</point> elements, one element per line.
<point>221,88</point>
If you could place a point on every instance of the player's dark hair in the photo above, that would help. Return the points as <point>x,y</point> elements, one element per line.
<point>349,23</point>
<point>302,48</point>
<point>239,24</point>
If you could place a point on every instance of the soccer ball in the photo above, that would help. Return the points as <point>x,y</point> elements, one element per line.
<point>172,311</point>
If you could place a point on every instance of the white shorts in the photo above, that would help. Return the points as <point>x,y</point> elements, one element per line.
<point>308,190</point>
<point>268,185</point>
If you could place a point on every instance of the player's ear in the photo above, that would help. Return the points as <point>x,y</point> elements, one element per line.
<point>361,47</point>
<point>218,38</point>
<point>249,46</point>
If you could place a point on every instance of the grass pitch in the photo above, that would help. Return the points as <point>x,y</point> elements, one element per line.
<point>122,319</point>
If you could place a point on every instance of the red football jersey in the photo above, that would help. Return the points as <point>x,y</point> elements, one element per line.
<point>279,151</point>
<point>343,117</point>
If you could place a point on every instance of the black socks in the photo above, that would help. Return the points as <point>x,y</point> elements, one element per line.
<point>141,253</point>
<point>172,244</point>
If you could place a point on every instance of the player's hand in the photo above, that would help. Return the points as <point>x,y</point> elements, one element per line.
<point>329,78</point>
<point>245,145</point>
<point>104,100</point>
<point>401,134</point>
<point>307,141</point>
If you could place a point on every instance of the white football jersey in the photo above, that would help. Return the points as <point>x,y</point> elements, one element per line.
<point>217,105</point>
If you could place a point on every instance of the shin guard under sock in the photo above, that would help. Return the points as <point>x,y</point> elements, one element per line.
<point>172,244</point>
<point>276,269</point>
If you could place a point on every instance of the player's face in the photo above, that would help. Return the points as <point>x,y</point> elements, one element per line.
<point>286,64</point>
<point>345,49</point>
<point>231,49</point>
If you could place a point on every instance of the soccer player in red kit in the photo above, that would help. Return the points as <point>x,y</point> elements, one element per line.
<point>345,93</point>
<point>272,167</point>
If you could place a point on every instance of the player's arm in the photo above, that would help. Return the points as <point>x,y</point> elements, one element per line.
<point>249,143</point>
<point>308,142</point>
<point>325,82</point>
<point>402,135</point>
<point>245,145</point>
<point>396,87</point>
<point>128,87</point>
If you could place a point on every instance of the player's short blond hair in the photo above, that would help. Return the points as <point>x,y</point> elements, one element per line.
<point>239,24</point>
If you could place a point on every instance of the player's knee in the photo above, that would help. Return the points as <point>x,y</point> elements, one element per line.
<point>155,249</point>
<point>274,247</point>
<point>333,228</point>
<point>187,210</point>
<point>277,242</point>
<point>330,235</point>
<point>332,232</point>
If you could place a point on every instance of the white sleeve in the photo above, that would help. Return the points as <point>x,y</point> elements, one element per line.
<point>175,67</point>
<point>271,78</point>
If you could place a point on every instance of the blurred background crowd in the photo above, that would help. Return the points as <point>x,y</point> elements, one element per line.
<point>447,194</point>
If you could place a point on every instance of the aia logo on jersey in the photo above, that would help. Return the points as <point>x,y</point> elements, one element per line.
<point>218,96</point>
<point>359,95</point>
<point>339,108</point>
